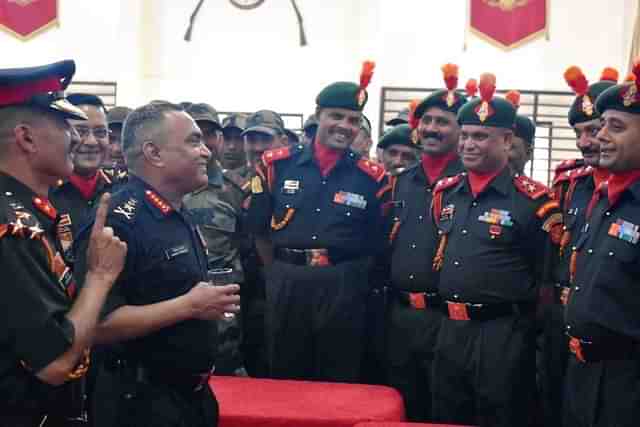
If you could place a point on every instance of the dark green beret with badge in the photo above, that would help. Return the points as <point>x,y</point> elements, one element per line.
<point>448,99</point>
<point>398,135</point>
<point>624,97</point>
<point>347,95</point>
<point>487,110</point>
<point>583,107</point>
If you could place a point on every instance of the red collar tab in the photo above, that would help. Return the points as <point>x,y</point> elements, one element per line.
<point>618,183</point>
<point>86,186</point>
<point>44,206</point>
<point>158,202</point>
<point>326,157</point>
<point>479,182</point>
<point>434,166</point>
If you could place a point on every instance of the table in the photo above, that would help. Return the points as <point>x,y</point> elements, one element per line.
<point>250,402</point>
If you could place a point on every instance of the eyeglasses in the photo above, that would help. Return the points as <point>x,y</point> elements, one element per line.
<point>98,133</point>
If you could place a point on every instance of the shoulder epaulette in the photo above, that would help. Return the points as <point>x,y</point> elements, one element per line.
<point>449,182</point>
<point>530,188</point>
<point>582,172</point>
<point>568,164</point>
<point>373,169</point>
<point>389,186</point>
<point>271,156</point>
<point>20,222</point>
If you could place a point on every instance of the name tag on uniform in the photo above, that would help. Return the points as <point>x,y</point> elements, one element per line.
<point>497,217</point>
<point>350,199</point>
<point>175,251</point>
<point>624,230</point>
<point>291,186</point>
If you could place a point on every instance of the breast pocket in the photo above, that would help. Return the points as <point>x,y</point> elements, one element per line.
<point>501,235</point>
<point>624,253</point>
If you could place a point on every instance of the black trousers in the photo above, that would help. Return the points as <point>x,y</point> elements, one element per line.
<point>412,336</point>
<point>122,402</point>
<point>484,372</point>
<point>555,350</point>
<point>602,394</point>
<point>315,320</point>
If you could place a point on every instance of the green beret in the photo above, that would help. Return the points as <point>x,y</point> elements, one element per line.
<point>525,129</point>
<point>398,135</point>
<point>624,97</point>
<point>582,111</point>
<point>500,113</point>
<point>345,95</point>
<point>450,101</point>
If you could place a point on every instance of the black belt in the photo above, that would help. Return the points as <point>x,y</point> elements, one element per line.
<point>599,349</point>
<point>468,311</point>
<point>188,381</point>
<point>317,257</point>
<point>418,300</point>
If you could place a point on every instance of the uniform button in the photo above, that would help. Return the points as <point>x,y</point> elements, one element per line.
<point>607,213</point>
<point>610,253</point>
<point>577,288</point>
<point>395,218</point>
<point>568,326</point>
<point>455,296</point>
<point>411,276</point>
<point>573,248</point>
<point>348,213</point>
<point>464,231</point>
<point>323,182</point>
<point>287,206</point>
<point>590,251</point>
<point>456,263</point>
<point>317,209</point>
<point>420,217</point>
<point>8,193</point>
<point>413,246</point>
<point>314,237</point>
<point>474,204</point>
<point>428,190</point>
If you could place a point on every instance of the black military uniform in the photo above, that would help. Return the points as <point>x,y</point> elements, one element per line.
<point>573,185</point>
<point>38,287</point>
<point>415,311</point>
<point>74,208</point>
<point>325,231</point>
<point>491,258</point>
<point>602,320</point>
<point>167,369</point>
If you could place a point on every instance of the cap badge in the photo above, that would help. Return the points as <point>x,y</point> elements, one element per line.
<point>587,105</point>
<point>362,97</point>
<point>630,95</point>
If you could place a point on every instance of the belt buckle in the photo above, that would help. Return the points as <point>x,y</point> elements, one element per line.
<point>318,257</point>
<point>458,311</point>
<point>204,379</point>
<point>575,346</point>
<point>418,300</point>
<point>564,295</point>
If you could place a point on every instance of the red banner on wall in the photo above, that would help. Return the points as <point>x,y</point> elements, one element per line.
<point>508,23</point>
<point>26,18</point>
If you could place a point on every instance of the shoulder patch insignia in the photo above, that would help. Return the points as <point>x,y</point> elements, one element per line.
<point>553,226</point>
<point>277,154</point>
<point>449,182</point>
<point>127,209</point>
<point>530,188</point>
<point>373,169</point>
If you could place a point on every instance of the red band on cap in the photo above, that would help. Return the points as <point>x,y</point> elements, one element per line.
<point>23,92</point>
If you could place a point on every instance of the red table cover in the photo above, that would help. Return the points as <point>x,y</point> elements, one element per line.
<point>246,402</point>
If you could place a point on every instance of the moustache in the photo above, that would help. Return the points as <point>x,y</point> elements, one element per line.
<point>434,135</point>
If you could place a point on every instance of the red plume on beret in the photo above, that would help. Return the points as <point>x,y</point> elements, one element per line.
<point>450,75</point>
<point>366,73</point>
<point>471,88</point>
<point>413,120</point>
<point>487,86</point>
<point>513,96</point>
<point>610,74</point>
<point>630,78</point>
<point>576,80</point>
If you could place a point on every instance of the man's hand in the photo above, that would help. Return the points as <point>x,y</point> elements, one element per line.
<point>106,253</point>
<point>209,302</point>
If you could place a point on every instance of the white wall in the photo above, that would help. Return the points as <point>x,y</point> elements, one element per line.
<point>246,60</point>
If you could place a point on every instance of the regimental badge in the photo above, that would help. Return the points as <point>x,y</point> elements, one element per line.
<point>450,98</point>
<point>624,230</point>
<point>290,186</point>
<point>629,96</point>
<point>587,106</point>
<point>447,212</point>
<point>484,111</point>
<point>497,217</point>
<point>350,199</point>
<point>362,97</point>
<point>128,209</point>
<point>256,185</point>
<point>415,140</point>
